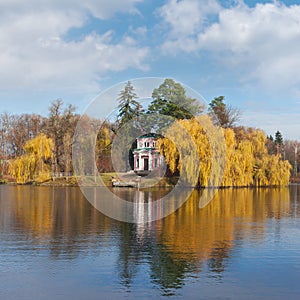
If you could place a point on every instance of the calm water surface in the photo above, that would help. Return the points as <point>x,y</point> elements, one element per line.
<point>245,244</point>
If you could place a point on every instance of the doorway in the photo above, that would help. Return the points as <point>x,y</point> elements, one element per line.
<point>146,164</point>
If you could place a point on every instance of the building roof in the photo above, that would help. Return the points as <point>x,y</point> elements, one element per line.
<point>146,149</point>
<point>151,134</point>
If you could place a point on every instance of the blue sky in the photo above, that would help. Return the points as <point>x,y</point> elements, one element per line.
<point>247,51</point>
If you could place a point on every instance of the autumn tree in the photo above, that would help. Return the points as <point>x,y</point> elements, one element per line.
<point>223,115</point>
<point>15,130</point>
<point>103,147</point>
<point>5,127</point>
<point>248,162</point>
<point>271,145</point>
<point>34,164</point>
<point>292,154</point>
<point>61,125</point>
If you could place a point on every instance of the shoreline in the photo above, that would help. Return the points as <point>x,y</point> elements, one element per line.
<point>72,182</point>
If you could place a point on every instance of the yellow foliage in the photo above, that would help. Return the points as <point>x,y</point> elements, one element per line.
<point>224,160</point>
<point>105,139</point>
<point>33,166</point>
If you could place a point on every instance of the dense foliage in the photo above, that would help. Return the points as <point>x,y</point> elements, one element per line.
<point>247,162</point>
<point>170,99</point>
<point>34,164</point>
<point>207,150</point>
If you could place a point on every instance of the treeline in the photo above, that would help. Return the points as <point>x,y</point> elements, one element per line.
<point>34,147</point>
<point>37,148</point>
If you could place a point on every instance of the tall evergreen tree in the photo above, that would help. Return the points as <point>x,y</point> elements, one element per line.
<point>278,138</point>
<point>278,141</point>
<point>129,107</point>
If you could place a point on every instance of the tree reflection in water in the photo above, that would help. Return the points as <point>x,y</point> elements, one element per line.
<point>60,222</point>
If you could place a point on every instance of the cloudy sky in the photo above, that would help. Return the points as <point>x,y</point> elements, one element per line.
<point>248,51</point>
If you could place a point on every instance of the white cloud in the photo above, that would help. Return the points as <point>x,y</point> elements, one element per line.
<point>264,39</point>
<point>102,9</point>
<point>185,19</point>
<point>260,44</point>
<point>34,54</point>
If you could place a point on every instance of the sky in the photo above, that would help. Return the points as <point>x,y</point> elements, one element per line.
<point>247,51</point>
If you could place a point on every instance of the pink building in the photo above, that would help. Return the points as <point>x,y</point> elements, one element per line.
<point>146,156</point>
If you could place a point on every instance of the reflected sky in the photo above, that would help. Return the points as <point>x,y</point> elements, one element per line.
<point>242,245</point>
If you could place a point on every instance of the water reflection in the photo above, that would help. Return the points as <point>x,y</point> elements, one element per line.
<point>60,224</point>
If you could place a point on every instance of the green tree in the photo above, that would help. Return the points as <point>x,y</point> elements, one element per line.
<point>129,107</point>
<point>170,99</point>
<point>278,141</point>
<point>278,138</point>
<point>223,115</point>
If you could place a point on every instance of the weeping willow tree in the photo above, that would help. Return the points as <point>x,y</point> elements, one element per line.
<point>226,157</point>
<point>34,165</point>
<point>195,148</point>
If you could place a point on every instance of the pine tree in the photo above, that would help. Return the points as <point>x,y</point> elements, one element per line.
<point>129,107</point>
<point>278,141</point>
<point>278,138</point>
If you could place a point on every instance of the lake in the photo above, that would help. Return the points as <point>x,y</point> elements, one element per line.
<point>244,244</point>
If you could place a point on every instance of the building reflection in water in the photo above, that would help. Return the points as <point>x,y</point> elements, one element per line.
<point>62,222</point>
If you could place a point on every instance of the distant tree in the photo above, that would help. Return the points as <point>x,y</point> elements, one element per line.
<point>34,164</point>
<point>223,115</point>
<point>129,107</point>
<point>103,147</point>
<point>61,125</point>
<point>170,99</point>
<point>290,148</point>
<point>278,138</point>
<point>15,130</point>
<point>270,144</point>
<point>278,141</point>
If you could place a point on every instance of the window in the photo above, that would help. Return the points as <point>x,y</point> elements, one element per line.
<point>155,162</point>
<point>147,144</point>
<point>137,163</point>
<point>154,144</point>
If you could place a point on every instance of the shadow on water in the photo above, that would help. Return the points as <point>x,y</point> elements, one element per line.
<point>60,224</point>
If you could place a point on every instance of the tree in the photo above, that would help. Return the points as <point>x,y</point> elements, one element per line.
<point>278,138</point>
<point>223,115</point>
<point>170,99</point>
<point>129,107</point>
<point>35,163</point>
<point>247,159</point>
<point>278,141</point>
<point>61,126</point>
<point>103,147</point>
<point>270,144</point>
<point>15,130</point>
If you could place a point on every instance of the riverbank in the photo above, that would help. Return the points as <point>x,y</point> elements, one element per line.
<point>107,179</point>
<point>295,179</point>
